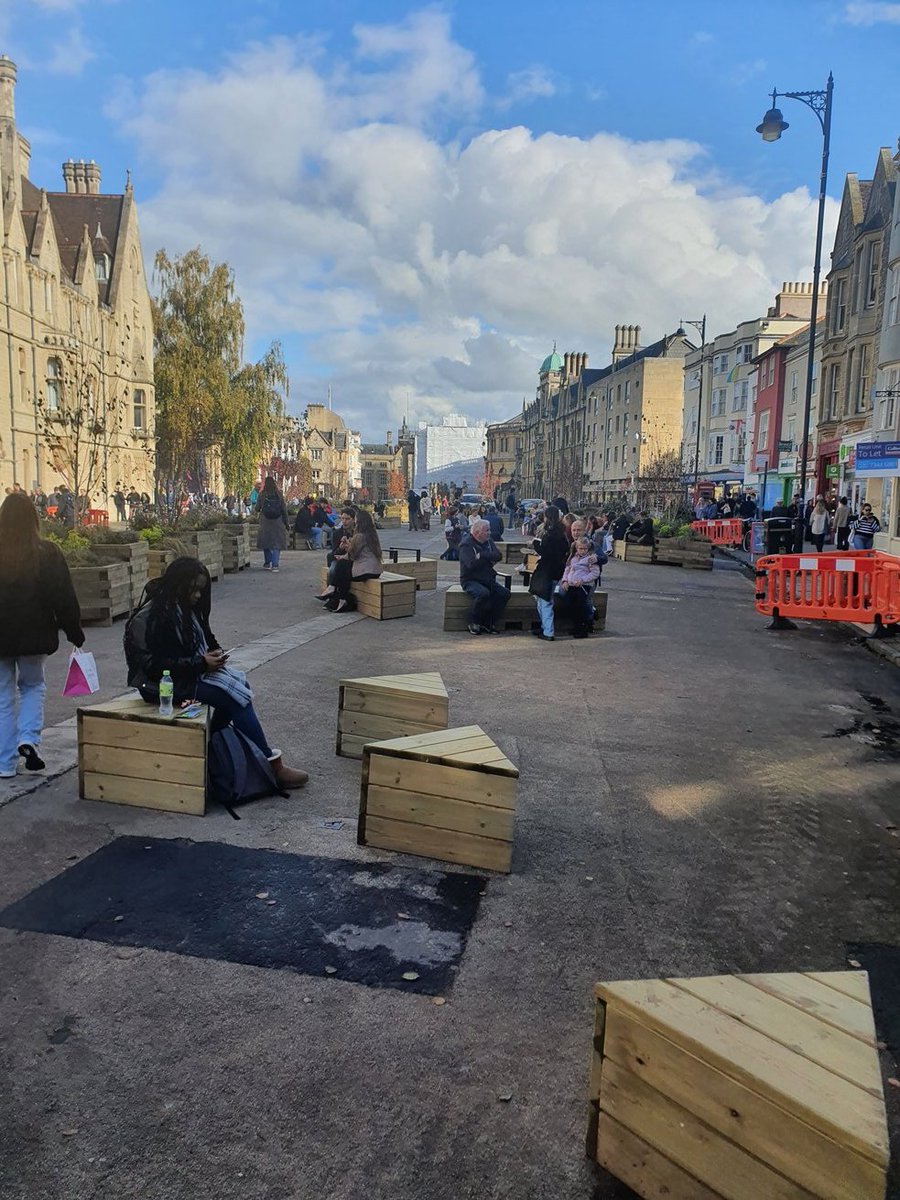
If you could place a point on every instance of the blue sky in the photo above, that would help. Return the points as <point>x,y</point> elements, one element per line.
<point>419,199</point>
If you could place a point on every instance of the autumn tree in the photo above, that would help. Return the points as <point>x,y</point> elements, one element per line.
<point>206,396</point>
<point>396,485</point>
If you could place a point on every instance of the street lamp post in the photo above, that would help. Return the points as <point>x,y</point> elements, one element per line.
<point>700,326</point>
<point>771,129</point>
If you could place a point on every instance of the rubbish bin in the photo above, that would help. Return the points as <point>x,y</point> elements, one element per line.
<point>779,535</point>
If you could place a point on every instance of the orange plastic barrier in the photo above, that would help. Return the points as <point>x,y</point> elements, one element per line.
<point>95,516</point>
<point>861,586</point>
<point>727,532</point>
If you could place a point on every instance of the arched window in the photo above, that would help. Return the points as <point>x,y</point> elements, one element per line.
<point>54,384</point>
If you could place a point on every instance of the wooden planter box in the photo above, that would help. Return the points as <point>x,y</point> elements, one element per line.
<point>629,552</point>
<point>743,1087</point>
<point>449,795</point>
<point>136,555</point>
<point>158,560</point>
<point>129,754</point>
<point>205,544</point>
<point>684,552</point>
<point>235,547</point>
<point>104,593</point>
<point>389,706</point>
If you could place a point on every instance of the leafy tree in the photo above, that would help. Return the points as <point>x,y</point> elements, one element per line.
<point>396,485</point>
<point>207,400</point>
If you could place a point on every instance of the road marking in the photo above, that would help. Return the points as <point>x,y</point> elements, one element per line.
<point>59,744</point>
<point>674,599</point>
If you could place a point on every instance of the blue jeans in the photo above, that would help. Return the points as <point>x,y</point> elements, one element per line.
<point>863,541</point>
<point>545,612</point>
<point>488,603</point>
<point>227,711</point>
<point>25,675</point>
<point>316,534</point>
<point>272,556</point>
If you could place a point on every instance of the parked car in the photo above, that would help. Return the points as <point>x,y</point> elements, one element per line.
<point>528,505</point>
<point>472,500</point>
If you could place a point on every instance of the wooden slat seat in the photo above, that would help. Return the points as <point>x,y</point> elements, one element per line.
<point>740,1087</point>
<point>390,595</point>
<point>449,794</point>
<point>388,706</point>
<point>129,754</point>
<point>520,612</point>
<point>411,562</point>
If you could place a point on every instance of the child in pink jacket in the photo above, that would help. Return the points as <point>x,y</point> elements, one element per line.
<point>577,585</point>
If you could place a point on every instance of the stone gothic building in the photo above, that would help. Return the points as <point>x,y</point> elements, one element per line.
<point>76,370</point>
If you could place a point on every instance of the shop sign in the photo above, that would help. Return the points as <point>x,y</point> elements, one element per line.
<point>786,446</point>
<point>787,465</point>
<point>833,471</point>
<point>866,451</point>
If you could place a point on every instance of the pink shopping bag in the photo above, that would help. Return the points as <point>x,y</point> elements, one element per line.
<point>82,678</point>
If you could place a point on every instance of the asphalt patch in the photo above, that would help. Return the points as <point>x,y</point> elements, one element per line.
<point>363,923</point>
<point>883,965</point>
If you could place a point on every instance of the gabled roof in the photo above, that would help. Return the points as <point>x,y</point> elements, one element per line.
<point>71,213</point>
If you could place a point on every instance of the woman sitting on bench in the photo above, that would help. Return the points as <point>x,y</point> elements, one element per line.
<point>170,632</point>
<point>362,561</point>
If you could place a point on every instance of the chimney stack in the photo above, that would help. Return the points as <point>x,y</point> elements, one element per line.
<point>567,360</point>
<point>69,175</point>
<point>389,440</point>
<point>92,178</point>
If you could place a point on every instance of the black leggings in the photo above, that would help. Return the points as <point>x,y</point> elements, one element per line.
<point>343,577</point>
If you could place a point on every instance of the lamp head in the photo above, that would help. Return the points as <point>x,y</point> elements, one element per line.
<point>773,125</point>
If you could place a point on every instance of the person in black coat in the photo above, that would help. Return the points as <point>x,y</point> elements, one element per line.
<point>477,555</point>
<point>553,548</point>
<point>37,599</point>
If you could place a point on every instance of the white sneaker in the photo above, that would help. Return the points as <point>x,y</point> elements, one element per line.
<point>275,569</point>
<point>7,774</point>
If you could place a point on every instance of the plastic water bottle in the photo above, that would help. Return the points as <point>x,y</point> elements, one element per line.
<point>166,691</point>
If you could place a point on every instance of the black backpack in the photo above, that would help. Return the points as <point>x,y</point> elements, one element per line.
<point>237,770</point>
<point>271,507</point>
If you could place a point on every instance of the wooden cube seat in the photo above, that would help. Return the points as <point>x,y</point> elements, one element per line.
<point>129,754</point>
<point>513,552</point>
<point>390,595</point>
<point>748,1087</point>
<point>631,552</point>
<point>389,706</point>
<point>449,795</point>
<point>520,612</point>
<point>410,562</point>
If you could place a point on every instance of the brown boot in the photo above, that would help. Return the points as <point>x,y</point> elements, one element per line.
<point>287,777</point>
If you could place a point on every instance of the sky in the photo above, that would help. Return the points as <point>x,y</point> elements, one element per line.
<point>418,200</point>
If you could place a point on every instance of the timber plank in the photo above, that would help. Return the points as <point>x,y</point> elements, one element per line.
<point>442,844</point>
<point>168,738</point>
<point>454,782</point>
<point>851,983</point>
<point>426,710</point>
<point>738,1112</point>
<point>834,1007</point>
<point>689,1143</point>
<point>144,793</point>
<point>808,1091</point>
<point>461,816</point>
<point>142,764</point>
<point>643,1168</point>
<point>791,1027</point>
<point>376,727</point>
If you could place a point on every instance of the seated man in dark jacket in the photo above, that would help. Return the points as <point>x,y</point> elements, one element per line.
<point>477,555</point>
<point>620,527</point>
<point>640,533</point>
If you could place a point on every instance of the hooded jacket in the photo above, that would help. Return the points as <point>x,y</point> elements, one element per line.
<point>581,569</point>
<point>33,610</point>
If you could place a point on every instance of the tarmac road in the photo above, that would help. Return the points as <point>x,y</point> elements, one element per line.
<point>697,796</point>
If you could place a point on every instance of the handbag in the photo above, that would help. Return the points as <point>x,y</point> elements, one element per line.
<point>81,678</point>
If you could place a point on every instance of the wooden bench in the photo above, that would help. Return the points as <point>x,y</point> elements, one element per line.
<point>685,552</point>
<point>384,598</point>
<point>389,706</point>
<point>748,1087</point>
<point>422,570</point>
<point>520,612</point>
<point>129,754</point>
<point>449,795</point>
<point>631,552</point>
<point>513,552</point>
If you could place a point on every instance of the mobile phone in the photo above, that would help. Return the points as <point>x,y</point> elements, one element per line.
<point>226,653</point>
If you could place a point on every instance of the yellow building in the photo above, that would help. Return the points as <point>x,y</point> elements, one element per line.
<point>503,458</point>
<point>76,373</point>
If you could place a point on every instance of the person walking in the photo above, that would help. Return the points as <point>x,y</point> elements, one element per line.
<point>425,509</point>
<point>273,524</point>
<point>553,548</point>
<point>37,599</point>
<point>119,502</point>
<point>840,524</point>
<point>477,555</point>
<point>819,524</point>
<point>865,527</point>
<point>413,504</point>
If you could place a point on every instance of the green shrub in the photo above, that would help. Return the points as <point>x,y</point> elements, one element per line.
<point>152,534</point>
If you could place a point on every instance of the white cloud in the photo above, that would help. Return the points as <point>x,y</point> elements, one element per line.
<point>403,261</point>
<point>71,54</point>
<point>873,13</point>
<point>531,84</point>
